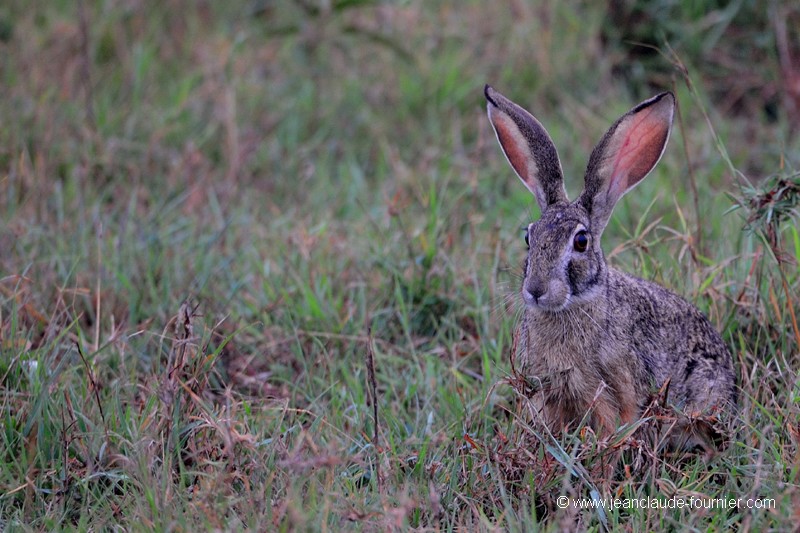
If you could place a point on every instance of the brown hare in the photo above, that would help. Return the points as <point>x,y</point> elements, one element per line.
<point>597,339</point>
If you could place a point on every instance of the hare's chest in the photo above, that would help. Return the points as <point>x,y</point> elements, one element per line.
<point>552,346</point>
<point>578,368</point>
<point>568,364</point>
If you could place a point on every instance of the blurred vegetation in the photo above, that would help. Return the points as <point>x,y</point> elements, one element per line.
<point>208,212</point>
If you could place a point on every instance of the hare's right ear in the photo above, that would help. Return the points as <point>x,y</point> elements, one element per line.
<point>528,148</point>
<point>625,155</point>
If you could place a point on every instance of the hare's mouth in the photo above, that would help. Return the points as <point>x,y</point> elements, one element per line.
<point>551,302</point>
<point>548,308</point>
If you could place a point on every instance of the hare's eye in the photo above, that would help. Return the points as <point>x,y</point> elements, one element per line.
<point>524,230</point>
<point>580,242</point>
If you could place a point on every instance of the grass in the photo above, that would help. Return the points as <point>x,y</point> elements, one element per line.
<point>211,216</point>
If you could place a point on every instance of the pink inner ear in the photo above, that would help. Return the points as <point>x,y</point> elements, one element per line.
<point>640,148</point>
<point>511,146</point>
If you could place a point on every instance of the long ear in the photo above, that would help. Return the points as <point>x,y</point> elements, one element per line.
<point>528,148</point>
<point>625,155</point>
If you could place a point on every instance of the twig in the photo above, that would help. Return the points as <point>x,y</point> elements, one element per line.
<point>374,393</point>
<point>94,384</point>
<point>693,184</point>
<point>99,287</point>
<point>750,272</point>
<point>790,77</point>
<point>184,331</point>
<point>83,21</point>
<point>66,480</point>
<point>672,56</point>
<point>789,304</point>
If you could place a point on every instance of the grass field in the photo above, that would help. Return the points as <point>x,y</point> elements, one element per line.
<point>212,219</point>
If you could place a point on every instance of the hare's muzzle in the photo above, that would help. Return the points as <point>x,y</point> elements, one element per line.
<point>546,296</point>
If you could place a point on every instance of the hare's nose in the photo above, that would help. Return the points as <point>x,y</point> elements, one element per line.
<point>536,290</point>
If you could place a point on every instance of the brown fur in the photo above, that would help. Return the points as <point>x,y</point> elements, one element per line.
<point>597,340</point>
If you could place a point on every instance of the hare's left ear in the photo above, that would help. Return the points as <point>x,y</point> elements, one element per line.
<point>625,155</point>
<point>528,148</point>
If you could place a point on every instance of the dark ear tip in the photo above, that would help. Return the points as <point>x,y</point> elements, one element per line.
<point>667,94</point>
<point>488,92</point>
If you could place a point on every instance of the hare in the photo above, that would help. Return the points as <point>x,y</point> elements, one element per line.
<point>597,339</point>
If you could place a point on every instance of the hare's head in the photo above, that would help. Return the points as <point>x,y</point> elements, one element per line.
<point>565,263</point>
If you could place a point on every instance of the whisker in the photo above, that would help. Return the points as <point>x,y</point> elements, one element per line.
<point>590,317</point>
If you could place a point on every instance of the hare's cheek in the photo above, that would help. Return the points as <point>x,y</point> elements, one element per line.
<point>525,272</point>
<point>582,275</point>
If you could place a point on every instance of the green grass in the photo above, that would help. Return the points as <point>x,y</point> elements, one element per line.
<point>208,216</point>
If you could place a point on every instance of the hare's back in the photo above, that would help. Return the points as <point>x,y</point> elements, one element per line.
<point>673,340</point>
